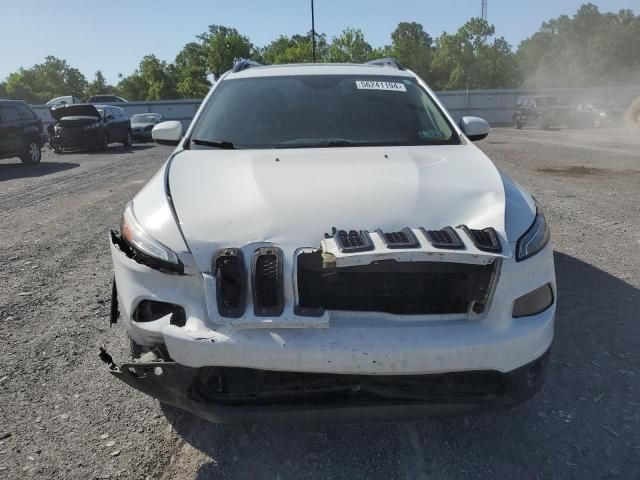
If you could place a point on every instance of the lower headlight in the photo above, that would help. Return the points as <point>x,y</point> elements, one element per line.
<point>135,235</point>
<point>535,238</point>
<point>533,302</point>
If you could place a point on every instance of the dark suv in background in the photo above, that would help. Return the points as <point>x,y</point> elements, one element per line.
<point>543,112</point>
<point>20,132</point>
<point>83,126</point>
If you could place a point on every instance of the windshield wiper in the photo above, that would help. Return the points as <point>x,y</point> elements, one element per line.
<point>214,143</point>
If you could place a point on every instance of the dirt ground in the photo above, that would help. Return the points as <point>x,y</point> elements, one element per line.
<point>63,416</point>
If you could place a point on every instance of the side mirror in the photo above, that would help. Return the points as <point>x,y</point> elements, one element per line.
<point>110,117</point>
<point>167,133</point>
<point>475,128</point>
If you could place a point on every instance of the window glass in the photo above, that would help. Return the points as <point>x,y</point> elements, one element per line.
<point>322,110</point>
<point>10,113</point>
<point>25,112</point>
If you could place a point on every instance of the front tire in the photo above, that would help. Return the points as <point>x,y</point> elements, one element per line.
<point>128,141</point>
<point>32,153</point>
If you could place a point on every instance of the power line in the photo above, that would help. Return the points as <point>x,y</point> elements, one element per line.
<point>313,33</point>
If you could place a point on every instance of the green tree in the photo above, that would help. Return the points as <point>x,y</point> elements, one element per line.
<point>295,49</point>
<point>44,81</point>
<point>467,59</point>
<point>223,47</point>
<point>413,47</point>
<point>589,49</point>
<point>349,47</point>
<point>98,86</point>
<point>153,80</point>
<point>190,71</point>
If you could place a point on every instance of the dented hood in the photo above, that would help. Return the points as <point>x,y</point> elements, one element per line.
<point>292,197</point>
<point>74,110</point>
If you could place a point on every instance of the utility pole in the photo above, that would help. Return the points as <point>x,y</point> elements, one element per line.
<point>313,33</point>
<point>484,9</point>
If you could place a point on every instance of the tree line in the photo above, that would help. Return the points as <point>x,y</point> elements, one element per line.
<point>588,49</point>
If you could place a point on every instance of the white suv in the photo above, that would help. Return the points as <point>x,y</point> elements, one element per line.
<point>325,241</point>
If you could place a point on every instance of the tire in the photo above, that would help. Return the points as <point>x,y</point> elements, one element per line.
<point>542,123</point>
<point>633,114</point>
<point>136,349</point>
<point>128,140</point>
<point>32,153</point>
<point>105,142</point>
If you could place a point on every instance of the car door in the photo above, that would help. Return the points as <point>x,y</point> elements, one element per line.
<point>111,124</point>
<point>124,123</point>
<point>11,134</point>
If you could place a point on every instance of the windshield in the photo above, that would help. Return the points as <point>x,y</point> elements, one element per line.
<point>547,101</point>
<point>318,111</point>
<point>142,118</point>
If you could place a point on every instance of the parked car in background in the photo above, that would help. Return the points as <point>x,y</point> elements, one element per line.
<point>21,133</point>
<point>65,100</point>
<point>84,126</point>
<point>599,114</point>
<point>542,112</point>
<point>106,99</point>
<point>142,124</point>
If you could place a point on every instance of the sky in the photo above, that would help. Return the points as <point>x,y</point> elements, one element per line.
<point>113,36</point>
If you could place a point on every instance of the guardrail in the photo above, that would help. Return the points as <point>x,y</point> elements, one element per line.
<point>495,106</point>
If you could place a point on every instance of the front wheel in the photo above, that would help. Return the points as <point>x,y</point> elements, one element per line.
<point>32,153</point>
<point>128,140</point>
<point>104,144</point>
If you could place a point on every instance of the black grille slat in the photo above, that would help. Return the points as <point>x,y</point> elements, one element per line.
<point>230,282</point>
<point>352,240</point>
<point>268,292</point>
<point>486,239</point>
<point>446,238</point>
<point>402,239</point>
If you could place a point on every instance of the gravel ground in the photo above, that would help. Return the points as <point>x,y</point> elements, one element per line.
<point>63,416</point>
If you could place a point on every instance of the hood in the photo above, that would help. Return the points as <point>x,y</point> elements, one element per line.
<point>292,197</point>
<point>74,110</point>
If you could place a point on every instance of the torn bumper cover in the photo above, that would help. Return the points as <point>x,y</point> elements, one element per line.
<point>242,395</point>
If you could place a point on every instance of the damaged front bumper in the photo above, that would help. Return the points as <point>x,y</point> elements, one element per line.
<point>239,395</point>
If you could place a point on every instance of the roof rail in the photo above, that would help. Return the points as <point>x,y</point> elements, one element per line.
<point>244,64</point>
<point>386,62</point>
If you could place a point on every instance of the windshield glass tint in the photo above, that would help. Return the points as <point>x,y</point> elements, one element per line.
<point>141,118</point>
<point>328,110</point>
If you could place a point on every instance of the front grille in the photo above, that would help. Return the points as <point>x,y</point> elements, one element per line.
<point>402,239</point>
<point>403,288</point>
<point>485,240</point>
<point>230,282</point>
<point>446,238</point>
<point>352,240</point>
<point>268,292</point>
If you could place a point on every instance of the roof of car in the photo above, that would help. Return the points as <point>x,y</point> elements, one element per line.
<point>319,69</point>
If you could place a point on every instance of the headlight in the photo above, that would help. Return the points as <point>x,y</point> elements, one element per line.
<point>133,233</point>
<point>534,239</point>
<point>91,126</point>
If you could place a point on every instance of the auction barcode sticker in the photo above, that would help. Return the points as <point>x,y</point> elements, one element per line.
<point>377,85</point>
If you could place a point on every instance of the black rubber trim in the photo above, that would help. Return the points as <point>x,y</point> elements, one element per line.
<point>342,238</point>
<point>494,247</point>
<point>114,312</point>
<point>432,236</point>
<point>267,303</point>
<point>231,282</point>
<point>411,242</point>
